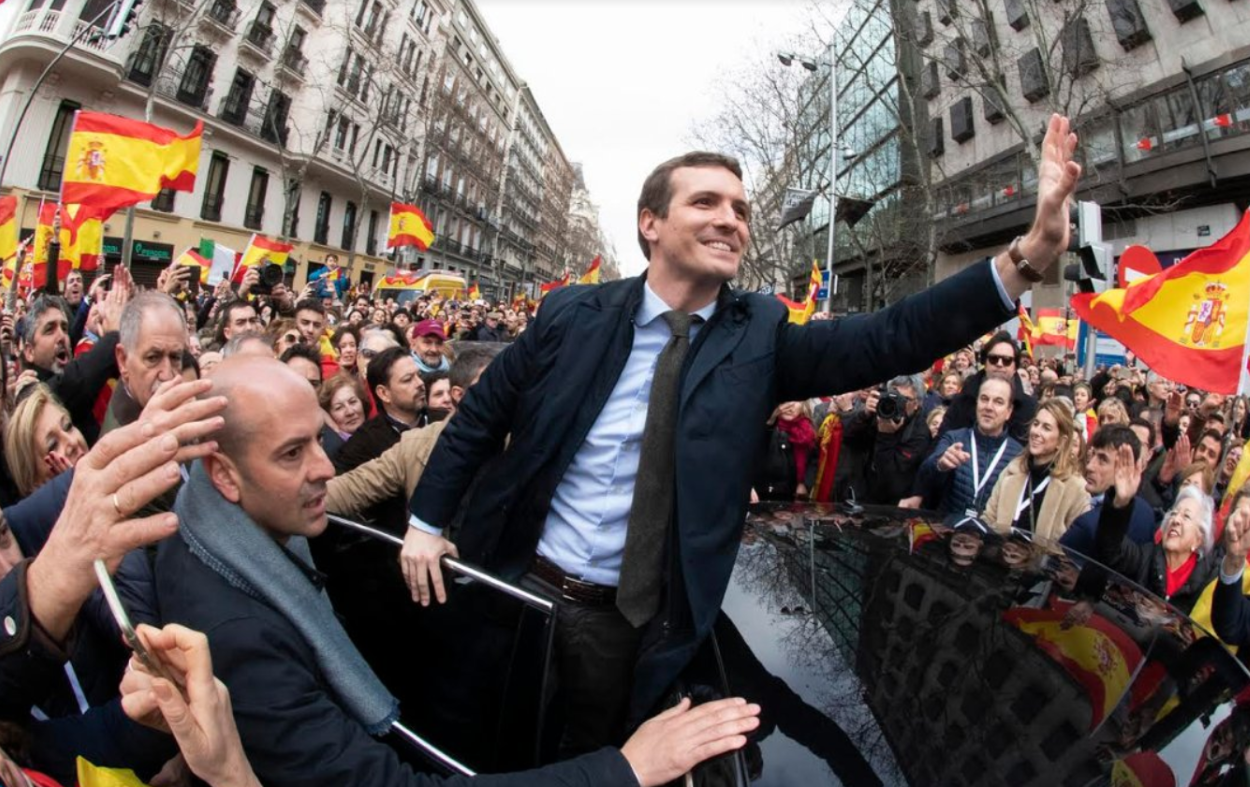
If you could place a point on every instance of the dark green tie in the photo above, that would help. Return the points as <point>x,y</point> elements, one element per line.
<point>638,596</point>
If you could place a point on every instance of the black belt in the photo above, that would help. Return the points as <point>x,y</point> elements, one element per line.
<point>572,588</point>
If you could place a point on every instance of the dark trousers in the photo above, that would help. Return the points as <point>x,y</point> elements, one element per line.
<point>592,671</point>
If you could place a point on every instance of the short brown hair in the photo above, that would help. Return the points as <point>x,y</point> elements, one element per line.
<point>341,380</point>
<point>657,189</point>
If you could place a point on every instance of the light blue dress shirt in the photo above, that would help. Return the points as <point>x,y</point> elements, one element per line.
<point>585,529</point>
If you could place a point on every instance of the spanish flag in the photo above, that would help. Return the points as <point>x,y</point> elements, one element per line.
<point>82,238</point>
<point>591,276</point>
<point>114,162</point>
<point>1052,327</point>
<point>191,259</point>
<point>475,292</point>
<point>544,289</point>
<point>42,244</point>
<point>800,313</point>
<point>1027,333</point>
<point>8,236</point>
<point>409,227</point>
<point>1189,322</point>
<point>261,250</point>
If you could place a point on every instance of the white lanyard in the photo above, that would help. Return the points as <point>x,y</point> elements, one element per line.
<point>978,483</point>
<point>1024,491</point>
<point>75,686</point>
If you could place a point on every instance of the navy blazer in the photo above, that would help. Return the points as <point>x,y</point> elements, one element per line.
<point>547,388</point>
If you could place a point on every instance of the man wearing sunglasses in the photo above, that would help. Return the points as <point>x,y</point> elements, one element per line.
<point>1000,359</point>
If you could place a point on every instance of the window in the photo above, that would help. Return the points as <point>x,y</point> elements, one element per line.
<point>215,187</point>
<point>294,196</point>
<point>1017,14</point>
<point>961,120</point>
<point>349,226</point>
<point>164,201</point>
<point>275,128</point>
<point>1079,57</point>
<point>930,85</point>
<point>954,60</point>
<point>321,233</point>
<point>58,143</point>
<point>1185,10</point>
<point>254,215</point>
<point>343,69</point>
<point>193,87</point>
<point>151,52</point>
<point>371,241</point>
<point>1129,23</point>
<point>1033,83</point>
<point>264,17</point>
<point>294,48</point>
<point>937,143</point>
<point>234,109</point>
<point>342,134</point>
<point>946,11</point>
<point>992,106</point>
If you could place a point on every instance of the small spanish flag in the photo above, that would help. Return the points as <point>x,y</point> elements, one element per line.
<point>800,313</point>
<point>114,162</point>
<point>191,259</point>
<point>591,276</point>
<point>8,235</point>
<point>543,289</point>
<point>1027,332</point>
<point>259,251</point>
<point>41,247</point>
<point>409,227</point>
<point>475,292</point>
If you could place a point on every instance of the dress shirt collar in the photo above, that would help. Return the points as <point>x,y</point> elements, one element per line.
<point>653,306</point>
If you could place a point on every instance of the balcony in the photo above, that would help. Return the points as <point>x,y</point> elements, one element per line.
<point>212,207</point>
<point>169,84</point>
<point>293,64</point>
<point>314,7</point>
<point>61,27</point>
<point>258,40</point>
<point>221,18</point>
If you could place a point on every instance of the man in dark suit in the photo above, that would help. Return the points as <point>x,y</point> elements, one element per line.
<point>574,392</point>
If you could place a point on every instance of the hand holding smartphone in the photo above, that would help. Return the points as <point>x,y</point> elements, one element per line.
<point>150,662</point>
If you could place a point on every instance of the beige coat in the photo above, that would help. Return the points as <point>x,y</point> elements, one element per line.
<point>1065,500</point>
<point>395,472</point>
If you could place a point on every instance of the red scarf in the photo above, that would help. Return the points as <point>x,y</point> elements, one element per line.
<point>802,436</point>
<point>1177,579</point>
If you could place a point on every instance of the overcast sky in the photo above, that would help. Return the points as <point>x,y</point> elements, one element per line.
<point>622,81</point>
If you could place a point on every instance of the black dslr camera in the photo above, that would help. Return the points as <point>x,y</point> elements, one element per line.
<point>891,406</point>
<point>267,277</point>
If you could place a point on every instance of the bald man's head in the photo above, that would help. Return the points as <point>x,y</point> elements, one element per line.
<point>252,386</point>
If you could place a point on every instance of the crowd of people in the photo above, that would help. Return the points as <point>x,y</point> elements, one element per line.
<point>194,443</point>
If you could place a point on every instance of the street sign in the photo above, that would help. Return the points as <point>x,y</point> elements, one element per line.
<point>823,292</point>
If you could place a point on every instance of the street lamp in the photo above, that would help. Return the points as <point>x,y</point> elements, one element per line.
<point>787,58</point>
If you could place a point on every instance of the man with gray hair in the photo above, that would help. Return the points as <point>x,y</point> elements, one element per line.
<point>895,437</point>
<point>151,343</point>
<point>77,382</point>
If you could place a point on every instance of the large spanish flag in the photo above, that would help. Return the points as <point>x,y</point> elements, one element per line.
<point>261,250</point>
<point>591,276</point>
<point>1189,322</point>
<point>409,227</point>
<point>82,238</point>
<point>114,162</point>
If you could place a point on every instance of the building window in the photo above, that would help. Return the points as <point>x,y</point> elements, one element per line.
<point>215,187</point>
<point>1017,14</point>
<point>294,196</point>
<point>58,143</point>
<point>194,84</point>
<point>992,107</point>
<point>151,52</point>
<point>1034,85</point>
<point>275,128</point>
<point>371,241</point>
<point>1185,10</point>
<point>164,201</point>
<point>981,34</point>
<point>254,215</point>
<point>349,226</point>
<point>961,120</point>
<point>937,141</point>
<point>930,85</point>
<point>954,59</point>
<point>1079,57</point>
<point>234,108</point>
<point>1129,23</point>
<point>946,11</point>
<point>321,233</point>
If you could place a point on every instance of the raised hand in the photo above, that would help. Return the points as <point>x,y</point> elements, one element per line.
<point>953,457</point>
<point>1237,538</point>
<point>1127,476</point>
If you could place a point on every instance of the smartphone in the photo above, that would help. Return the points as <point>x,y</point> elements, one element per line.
<point>153,664</point>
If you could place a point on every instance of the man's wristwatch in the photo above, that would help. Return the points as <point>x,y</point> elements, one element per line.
<point>1022,265</point>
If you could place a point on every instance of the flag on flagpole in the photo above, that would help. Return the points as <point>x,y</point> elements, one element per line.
<point>221,260</point>
<point>543,289</point>
<point>82,238</point>
<point>1189,322</point>
<point>192,259</point>
<point>1052,327</point>
<point>409,227</point>
<point>1027,332</point>
<point>800,313</point>
<point>261,250</point>
<point>114,162</point>
<point>8,237</point>
<point>475,292</point>
<point>41,249</point>
<point>591,276</point>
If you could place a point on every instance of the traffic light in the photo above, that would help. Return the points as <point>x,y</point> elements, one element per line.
<point>127,13</point>
<point>1090,272</point>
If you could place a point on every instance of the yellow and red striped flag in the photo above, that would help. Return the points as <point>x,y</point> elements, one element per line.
<point>82,238</point>
<point>8,237</point>
<point>591,276</point>
<point>544,289</point>
<point>1027,333</point>
<point>38,276</point>
<point>193,259</point>
<point>259,251</point>
<point>475,292</point>
<point>114,162</point>
<point>800,313</point>
<point>409,227</point>
<point>1189,322</point>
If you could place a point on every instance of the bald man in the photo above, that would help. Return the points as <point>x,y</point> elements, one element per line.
<point>304,700</point>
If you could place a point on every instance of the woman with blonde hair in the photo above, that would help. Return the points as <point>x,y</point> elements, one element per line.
<point>1112,411</point>
<point>1043,490</point>
<point>40,440</point>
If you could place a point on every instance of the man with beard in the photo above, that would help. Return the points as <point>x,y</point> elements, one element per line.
<point>960,473</point>
<point>397,388</point>
<point>1001,357</point>
<point>151,345</point>
<point>77,382</point>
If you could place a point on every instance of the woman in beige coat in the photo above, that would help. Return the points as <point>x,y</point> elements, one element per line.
<point>1043,490</point>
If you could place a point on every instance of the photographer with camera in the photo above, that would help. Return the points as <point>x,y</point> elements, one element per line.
<point>896,437</point>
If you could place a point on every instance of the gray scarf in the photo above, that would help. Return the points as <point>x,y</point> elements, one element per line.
<point>226,540</point>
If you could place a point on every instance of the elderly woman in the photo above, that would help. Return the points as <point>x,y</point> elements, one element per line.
<point>40,440</point>
<point>1182,563</point>
<point>343,399</point>
<point>1043,490</point>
